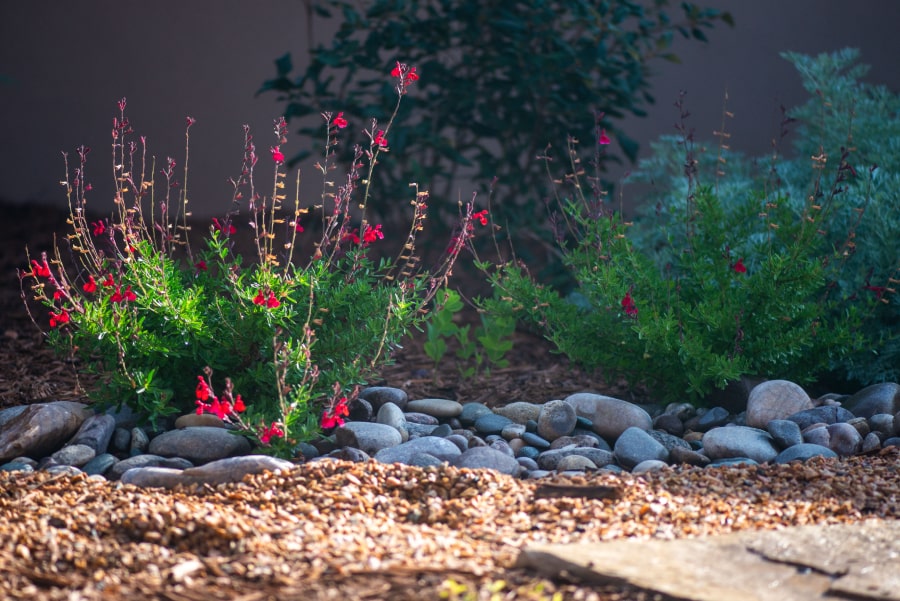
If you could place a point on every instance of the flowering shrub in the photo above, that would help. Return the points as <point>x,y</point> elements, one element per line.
<point>147,310</point>
<point>747,292</point>
<point>843,115</point>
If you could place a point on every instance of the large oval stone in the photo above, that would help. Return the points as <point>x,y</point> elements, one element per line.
<point>739,441</point>
<point>610,416</point>
<point>775,399</point>
<point>41,429</point>
<point>200,444</point>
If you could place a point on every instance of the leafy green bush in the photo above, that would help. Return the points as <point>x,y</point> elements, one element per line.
<point>504,81</point>
<point>150,314</point>
<point>845,122</point>
<point>744,289</point>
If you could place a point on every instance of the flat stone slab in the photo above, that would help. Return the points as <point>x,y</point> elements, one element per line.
<point>802,563</point>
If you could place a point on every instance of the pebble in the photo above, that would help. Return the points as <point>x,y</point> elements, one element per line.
<point>610,416</point>
<point>95,432</point>
<point>74,454</point>
<point>635,445</point>
<point>491,424</point>
<point>471,412</point>
<point>199,444</point>
<point>391,415</point>
<point>874,399</point>
<point>415,417</point>
<point>522,439</point>
<point>739,441</point>
<point>775,399</point>
<point>487,457</point>
<point>379,395</point>
<point>577,463</point>
<point>884,423</point>
<point>140,442</point>
<point>649,465</point>
<point>785,433</point>
<point>826,414</point>
<point>435,407</point>
<point>556,419</point>
<point>844,439</point>
<point>520,412</point>
<point>713,418</point>
<point>441,448</point>
<point>802,452</point>
<point>40,429</point>
<point>367,437</point>
<point>668,422</point>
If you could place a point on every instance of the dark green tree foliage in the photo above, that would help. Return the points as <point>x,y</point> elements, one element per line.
<point>500,81</point>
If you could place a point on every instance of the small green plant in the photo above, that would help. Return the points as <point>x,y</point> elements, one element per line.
<point>748,291</point>
<point>149,313</point>
<point>477,351</point>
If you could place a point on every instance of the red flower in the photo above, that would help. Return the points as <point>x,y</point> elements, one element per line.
<point>481,216</point>
<point>352,236</point>
<point>239,406</point>
<point>406,74</point>
<point>90,286</point>
<point>298,228</point>
<point>370,234</point>
<point>109,280</point>
<point>270,301</point>
<point>200,265</point>
<point>227,229</point>
<point>334,419</point>
<point>266,434</point>
<point>58,319</point>
<point>277,155</point>
<point>99,228</point>
<point>202,391</point>
<point>739,267</point>
<point>121,297</point>
<point>604,139</point>
<point>629,306</point>
<point>339,121</point>
<point>379,139</point>
<point>39,270</point>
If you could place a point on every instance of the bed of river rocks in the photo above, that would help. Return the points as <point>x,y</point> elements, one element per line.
<point>584,432</point>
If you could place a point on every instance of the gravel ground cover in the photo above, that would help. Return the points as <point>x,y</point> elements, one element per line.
<point>336,529</point>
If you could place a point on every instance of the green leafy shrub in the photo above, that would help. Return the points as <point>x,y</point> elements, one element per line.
<point>845,122</point>
<point>744,289</point>
<point>507,80</point>
<point>149,313</point>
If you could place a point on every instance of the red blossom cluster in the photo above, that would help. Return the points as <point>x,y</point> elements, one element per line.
<point>335,417</point>
<point>266,433</point>
<point>207,402</point>
<point>226,228</point>
<point>339,121</point>
<point>406,74</point>
<point>267,301</point>
<point>628,305</point>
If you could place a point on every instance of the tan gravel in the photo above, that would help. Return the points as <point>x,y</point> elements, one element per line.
<point>331,530</point>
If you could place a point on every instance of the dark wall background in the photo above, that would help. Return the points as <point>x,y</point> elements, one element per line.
<point>64,65</point>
